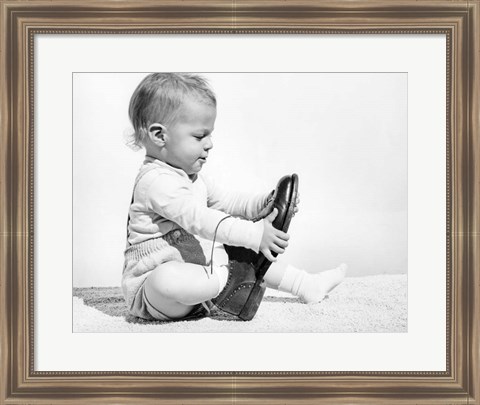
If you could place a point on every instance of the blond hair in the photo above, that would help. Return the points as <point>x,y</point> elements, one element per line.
<point>159,98</point>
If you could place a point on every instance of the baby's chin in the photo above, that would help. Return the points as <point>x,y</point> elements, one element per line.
<point>193,172</point>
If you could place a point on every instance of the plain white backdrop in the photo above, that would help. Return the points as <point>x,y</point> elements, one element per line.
<point>345,134</point>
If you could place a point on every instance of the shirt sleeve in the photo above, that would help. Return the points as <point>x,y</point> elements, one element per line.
<point>172,198</point>
<point>242,204</point>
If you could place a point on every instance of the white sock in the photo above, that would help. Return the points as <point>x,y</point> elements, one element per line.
<point>311,288</point>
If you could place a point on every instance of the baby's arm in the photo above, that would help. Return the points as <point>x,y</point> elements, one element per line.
<point>241,204</point>
<point>172,198</point>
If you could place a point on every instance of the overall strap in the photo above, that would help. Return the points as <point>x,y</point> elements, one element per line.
<point>142,173</point>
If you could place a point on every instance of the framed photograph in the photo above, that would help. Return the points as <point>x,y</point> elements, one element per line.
<point>373,105</point>
<point>253,146</point>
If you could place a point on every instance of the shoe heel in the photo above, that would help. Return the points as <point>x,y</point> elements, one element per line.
<point>253,302</point>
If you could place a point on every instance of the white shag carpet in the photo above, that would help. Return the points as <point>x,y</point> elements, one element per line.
<point>361,304</point>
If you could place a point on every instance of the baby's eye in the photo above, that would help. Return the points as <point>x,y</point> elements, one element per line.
<point>202,136</point>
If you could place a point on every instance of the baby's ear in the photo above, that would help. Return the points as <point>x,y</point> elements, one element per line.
<point>156,132</point>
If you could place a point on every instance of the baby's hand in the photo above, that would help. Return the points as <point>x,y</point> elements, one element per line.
<point>297,201</point>
<point>273,240</point>
<point>266,211</point>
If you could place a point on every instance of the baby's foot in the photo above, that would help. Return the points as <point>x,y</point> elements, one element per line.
<point>320,284</point>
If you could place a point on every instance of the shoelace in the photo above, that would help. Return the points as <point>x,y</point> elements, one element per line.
<point>213,243</point>
<point>269,200</point>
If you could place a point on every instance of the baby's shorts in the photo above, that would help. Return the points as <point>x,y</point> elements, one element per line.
<point>141,306</point>
<point>142,258</point>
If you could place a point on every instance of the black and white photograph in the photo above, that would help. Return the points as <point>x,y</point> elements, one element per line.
<point>240,202</point>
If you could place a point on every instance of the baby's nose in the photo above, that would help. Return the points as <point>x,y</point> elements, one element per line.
<point>208,144</point>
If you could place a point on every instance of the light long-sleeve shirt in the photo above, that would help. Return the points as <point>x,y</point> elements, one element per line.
<point>165,199</point>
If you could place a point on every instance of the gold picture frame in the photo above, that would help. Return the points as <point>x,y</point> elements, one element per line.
<point>22,20</point>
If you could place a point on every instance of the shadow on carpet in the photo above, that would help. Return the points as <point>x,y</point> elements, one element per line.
<point>110,301</point>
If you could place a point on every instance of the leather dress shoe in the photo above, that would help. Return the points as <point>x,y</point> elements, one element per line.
<point>245,286</point>
<point>284,201</point>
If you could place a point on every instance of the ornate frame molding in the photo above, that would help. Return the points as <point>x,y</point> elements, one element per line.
<point>22,20</point>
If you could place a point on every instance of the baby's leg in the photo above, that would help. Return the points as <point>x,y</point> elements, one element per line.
<point>309,287</point>
<point>174,288</point>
